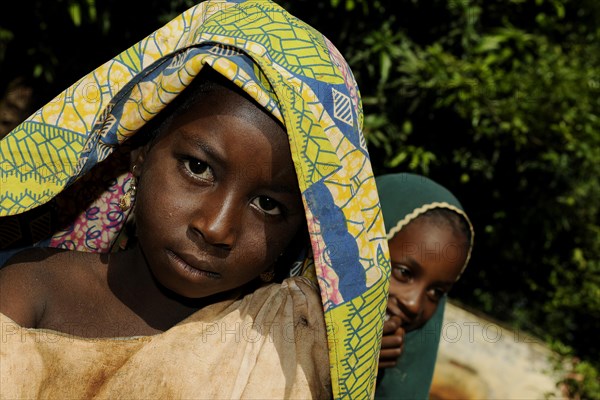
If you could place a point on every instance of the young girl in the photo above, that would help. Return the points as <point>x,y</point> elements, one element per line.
<point>233,133</point>
<point>430,241</point>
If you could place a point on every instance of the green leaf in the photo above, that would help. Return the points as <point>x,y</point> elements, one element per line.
<point>75,13</point>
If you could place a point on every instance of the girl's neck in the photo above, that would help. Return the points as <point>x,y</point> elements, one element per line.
<point>132,282</point>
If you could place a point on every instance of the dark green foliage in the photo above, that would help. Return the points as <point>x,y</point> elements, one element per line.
<point>51,43</point>
<point>499,100</point>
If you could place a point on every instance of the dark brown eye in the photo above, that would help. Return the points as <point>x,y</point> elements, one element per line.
<point>437,293</point>
<point>198,169</point>
<point>267,205</point>
<point>401,272</point>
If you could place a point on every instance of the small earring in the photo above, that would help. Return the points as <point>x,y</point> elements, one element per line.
<point>129,197</point>
<point>267,276</point>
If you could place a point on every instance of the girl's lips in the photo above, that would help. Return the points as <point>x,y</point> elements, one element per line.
<point>192,267</point>
<point>404,321</point>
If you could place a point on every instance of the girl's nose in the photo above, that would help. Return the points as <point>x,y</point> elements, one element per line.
<point>216,221</point>
<point>412,303</point>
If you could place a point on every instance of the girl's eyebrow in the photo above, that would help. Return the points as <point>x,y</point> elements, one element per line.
<point>415,263</point>
<point>408,260</point>
<point>285,189</point>
<point>202,145</point>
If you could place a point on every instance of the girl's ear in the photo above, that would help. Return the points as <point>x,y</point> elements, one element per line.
<point>136,159</point>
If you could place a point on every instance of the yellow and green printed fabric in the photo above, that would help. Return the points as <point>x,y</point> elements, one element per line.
<point>65,168</point>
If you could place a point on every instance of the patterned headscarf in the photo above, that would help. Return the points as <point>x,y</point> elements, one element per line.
<point>69,150</point>
<point>404,197</point>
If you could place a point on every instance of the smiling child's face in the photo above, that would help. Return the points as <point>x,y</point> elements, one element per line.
<point>218,199</point>
<point>427,258</point>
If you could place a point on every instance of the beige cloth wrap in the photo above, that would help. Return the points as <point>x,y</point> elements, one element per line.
<point>270,344</point>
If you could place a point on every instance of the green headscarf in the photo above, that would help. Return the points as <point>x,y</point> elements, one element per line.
<point>403,198</point>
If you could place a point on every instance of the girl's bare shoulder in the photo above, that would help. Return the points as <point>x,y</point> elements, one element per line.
<point>41,264</point>
<point>30,278</point>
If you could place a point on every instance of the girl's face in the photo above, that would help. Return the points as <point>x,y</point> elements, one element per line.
<point>427,259</point>
<point>218,200</point>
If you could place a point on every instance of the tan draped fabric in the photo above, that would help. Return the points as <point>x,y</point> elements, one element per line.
<point>270,344</point>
